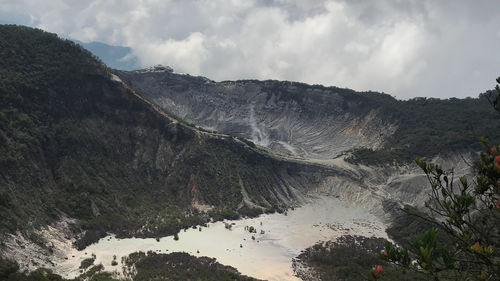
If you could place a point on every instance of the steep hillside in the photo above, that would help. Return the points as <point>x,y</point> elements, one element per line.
<point>292,118</point>
<point>76,143</point>
<point>316,122</point>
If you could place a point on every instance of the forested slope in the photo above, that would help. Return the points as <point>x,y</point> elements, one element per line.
<point>75,143</point>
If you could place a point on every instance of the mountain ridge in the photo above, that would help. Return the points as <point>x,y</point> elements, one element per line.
<point>321,123</point>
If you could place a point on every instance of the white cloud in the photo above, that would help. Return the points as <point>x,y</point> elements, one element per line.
<point>405,48</point>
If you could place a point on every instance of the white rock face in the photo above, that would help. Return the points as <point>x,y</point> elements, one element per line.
<point>53,245</point>
<point>299,120</point>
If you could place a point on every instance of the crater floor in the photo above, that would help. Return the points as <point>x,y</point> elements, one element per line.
<point>268,256</point>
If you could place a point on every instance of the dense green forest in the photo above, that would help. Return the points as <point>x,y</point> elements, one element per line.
<point>429,126</point>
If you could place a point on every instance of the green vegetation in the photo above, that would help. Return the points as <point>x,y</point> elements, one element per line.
<point>350,259</point>
<point>223,212</point>
<point>9,271</point>
<point>409,223</point>
<point>86,263</point>
<point>467,211</point>
<point>114,262</point>
<point>429,126</point>
<point>180,266</point>
<point>150,266</point>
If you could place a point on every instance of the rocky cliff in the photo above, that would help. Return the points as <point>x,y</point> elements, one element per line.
<point>296,119</point>
<point>313,122</point>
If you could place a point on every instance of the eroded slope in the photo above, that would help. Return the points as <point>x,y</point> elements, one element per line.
<point>312,122</point>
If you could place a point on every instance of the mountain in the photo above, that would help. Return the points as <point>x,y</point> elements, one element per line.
<point>83,154</point>
<point>117,57</point>
<point>78,145</point>
<point>311,122</point>
<point>86,150</point>
<point>320,123</point>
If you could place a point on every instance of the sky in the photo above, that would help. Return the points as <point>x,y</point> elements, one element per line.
<point>446,48</point>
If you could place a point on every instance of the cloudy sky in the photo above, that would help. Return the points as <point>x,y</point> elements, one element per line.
<point>404,48</point>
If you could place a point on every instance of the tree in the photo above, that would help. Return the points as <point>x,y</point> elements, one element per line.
<point>464,243</point>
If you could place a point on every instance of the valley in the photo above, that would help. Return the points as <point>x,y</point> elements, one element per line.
<point>108,162</point>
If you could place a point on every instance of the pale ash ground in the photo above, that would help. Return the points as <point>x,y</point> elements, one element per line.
<point>268,257</point>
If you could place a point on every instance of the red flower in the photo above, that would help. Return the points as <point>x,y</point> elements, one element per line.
<point>496,162</point>
<point>476,247</point>
<point>378,269</point>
